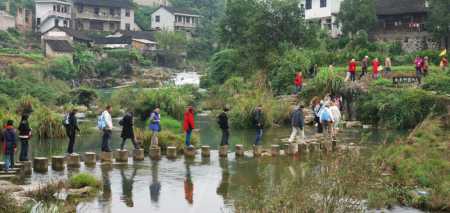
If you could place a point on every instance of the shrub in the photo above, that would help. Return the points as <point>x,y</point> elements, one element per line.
<point>83,180</point>
<point>438,81</point>
<point>84,96</point>
<point>223,65</point>
<point>62,68</point>
<point>48,124</point>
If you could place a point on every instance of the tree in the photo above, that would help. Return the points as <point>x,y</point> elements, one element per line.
<point>143,16</point>
<point>172,46</point>
<point>439,20</point>
<point>62,68</point>
<point>223,65</point>
<point>357,15</point>
<point>85,62</point>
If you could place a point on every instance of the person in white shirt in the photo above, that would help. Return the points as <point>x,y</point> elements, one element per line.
<point>336,114</point>
<point>107,131</point>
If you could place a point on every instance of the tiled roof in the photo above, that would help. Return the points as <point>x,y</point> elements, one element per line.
<point>60,45</point>
<point>113,40</point>
<point>179,10</point>
<point>394,7</point>
<point>77,35</point>
<point>147,35</point>
<point>106,3</point>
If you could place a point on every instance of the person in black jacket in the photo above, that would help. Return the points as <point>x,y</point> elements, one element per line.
<point>258,117</point>
<point>24,135</point>
<point>223,124</point>
<point>9,144</point>
<point>298,123</point>
<point>71,130</point>
<point>127,130</point>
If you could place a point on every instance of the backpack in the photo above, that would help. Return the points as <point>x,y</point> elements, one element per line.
<point>101,122</point>
<point>65,120</point>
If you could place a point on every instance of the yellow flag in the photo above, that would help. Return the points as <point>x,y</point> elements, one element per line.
<point>443,53</point>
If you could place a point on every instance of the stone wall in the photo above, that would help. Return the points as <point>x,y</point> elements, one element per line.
<point>410,41</point>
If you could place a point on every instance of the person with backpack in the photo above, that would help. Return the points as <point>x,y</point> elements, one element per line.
<point>189,124</point>
<point>298,123</point>
<point>24,136</point>
<point>71,129</point>
<point>258,120</point>
<point>326,118</point>
<point>9,144</point>
<point>223,124</point>
<point>316,107</point>
<point>106,125</point>
<point>155,125</point>
<point>127,124</point>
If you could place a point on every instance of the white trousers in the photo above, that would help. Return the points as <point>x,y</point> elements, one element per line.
<point>297,132</point>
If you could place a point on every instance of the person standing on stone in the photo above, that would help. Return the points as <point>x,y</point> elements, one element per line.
<point>9,144</point>
<point>24,135</point>
<point>375,67</point>
<point>127,124</point>
<point>336,114</point>
<point>326,119</point>
<point>418,63</point>
<point>155,125</point>
<point>298,82</point>
<point>316,107</point>
<point>106,125</point>
<point>189,125</point>
<point>71,130</point>
<point>258,117</point>
<point>298,123</point>
<point>364,66</point>
<point>223,124</point>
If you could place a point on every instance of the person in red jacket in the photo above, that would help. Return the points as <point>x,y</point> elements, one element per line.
<point>352,69</point>
<point>189,124</point>
<point>375,66</point>
<point>298,82</point>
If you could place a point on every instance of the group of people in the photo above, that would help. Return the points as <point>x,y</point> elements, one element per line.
<point>327,114</point>
<point>364,63</point>
<point>9,138</point>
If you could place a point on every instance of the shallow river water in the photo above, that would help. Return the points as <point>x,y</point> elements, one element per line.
<point>199,185</point>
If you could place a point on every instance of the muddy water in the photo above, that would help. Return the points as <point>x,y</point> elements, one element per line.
<point>199,185</point>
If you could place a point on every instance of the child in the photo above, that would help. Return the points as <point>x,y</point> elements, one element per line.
<point>9,144</point>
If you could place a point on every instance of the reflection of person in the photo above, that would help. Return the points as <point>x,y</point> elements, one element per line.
<point>127,187</point>
<point>106,183</point>
<point>188,186</point>
<point>155,187</point>
<point>222,189</point>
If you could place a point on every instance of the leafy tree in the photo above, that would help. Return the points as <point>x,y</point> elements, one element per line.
<point>85,63</point>
<point>223,65</point>
<point>172,46</point>
<point>439,19</point>
<point>143,15</point>
<point>356,15</point>
<point>62,68</point>
<point>84,96</point>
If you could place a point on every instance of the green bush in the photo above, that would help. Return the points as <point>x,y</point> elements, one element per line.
<point>84,96</point>
<point>83,180</point>
<point>438,81</point>
<point>108,67</point>
<point>223,65</point>
<point>62,68</point>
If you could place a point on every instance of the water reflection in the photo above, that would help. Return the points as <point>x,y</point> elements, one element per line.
<point>155,187</point>
<point>224,185</point>
<point>107,192</point>
<point>127,186</point>
<point>188,184</point>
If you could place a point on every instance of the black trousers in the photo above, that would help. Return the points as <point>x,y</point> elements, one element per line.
<point>71,143</point>
<point>107,134</point>
<point>23,149</point>
<point>136,146</point>
<point>225,136</point>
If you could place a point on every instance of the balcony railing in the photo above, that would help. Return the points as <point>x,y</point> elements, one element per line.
<point>99,16</point>
<point>57,14</point>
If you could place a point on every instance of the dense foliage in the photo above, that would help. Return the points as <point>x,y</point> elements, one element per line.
<point>438,19</point>
<point>357,15</point>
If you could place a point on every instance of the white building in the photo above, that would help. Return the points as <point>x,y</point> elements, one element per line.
<point>172,19</point>
<point>51,13</point>
<point>324,12</point>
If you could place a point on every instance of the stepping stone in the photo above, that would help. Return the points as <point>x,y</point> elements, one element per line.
<point>40,164</point>
<point>138,155</point>
<point>155,152</point>
<point>205,151</point>
<point>275,150</point>
<point>223,151</point>
<point>90,159</point>
<point>73,160</point>
<point>58,163</point>
<point>171,152</point>
<point>122,156</point>
<point>239,150</point>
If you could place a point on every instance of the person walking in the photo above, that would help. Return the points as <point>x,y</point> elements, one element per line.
<point>106,125</point>
<point>375,67</point>
<point>71,130</point>
<point>258,119</point>
<point>364,66</point>
<point>298,123</point>
<point>326,119</point>
<point>155,125</point>
<point>127,123</point>
<point>316,107</point>
<point>9,144</point>
<point>298,82</point>
<point>425,66</point>
<point>352,69</point>
<point>24,136</point>
<point>387,66</point>
<point>418,63</point>
<point>189,124</point>
<point>336,114</point>
<point>224,126</point>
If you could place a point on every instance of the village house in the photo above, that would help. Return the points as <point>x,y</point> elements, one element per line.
<point>144,41</point>
<point>404,21</point>
<point>152,3</point>
<point>324,13</point>
<point>67,34</point>
<point>173,19</point>
<point>58,48</point>
<point>24,19</point>
<point>104,15</point>
<point>6,20</point>
<point>51,13</point>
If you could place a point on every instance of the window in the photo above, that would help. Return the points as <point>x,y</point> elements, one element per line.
<point>97,11</point>
<point>127,13</point>
<point>112,26</point>
<point>80,8</point>
<point>111,11</point>
<point>58,8</point>
<point>157,19</point>
<point>96,25</point>
<point>56,22</point>
<point>54,7</point>
<point>180,19</point>
<point>65,23</point>
<point>127,27</point>
<point>308,4</point>
<point>38,21</point>
<point>188,19</point>
<point>323,3</point>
